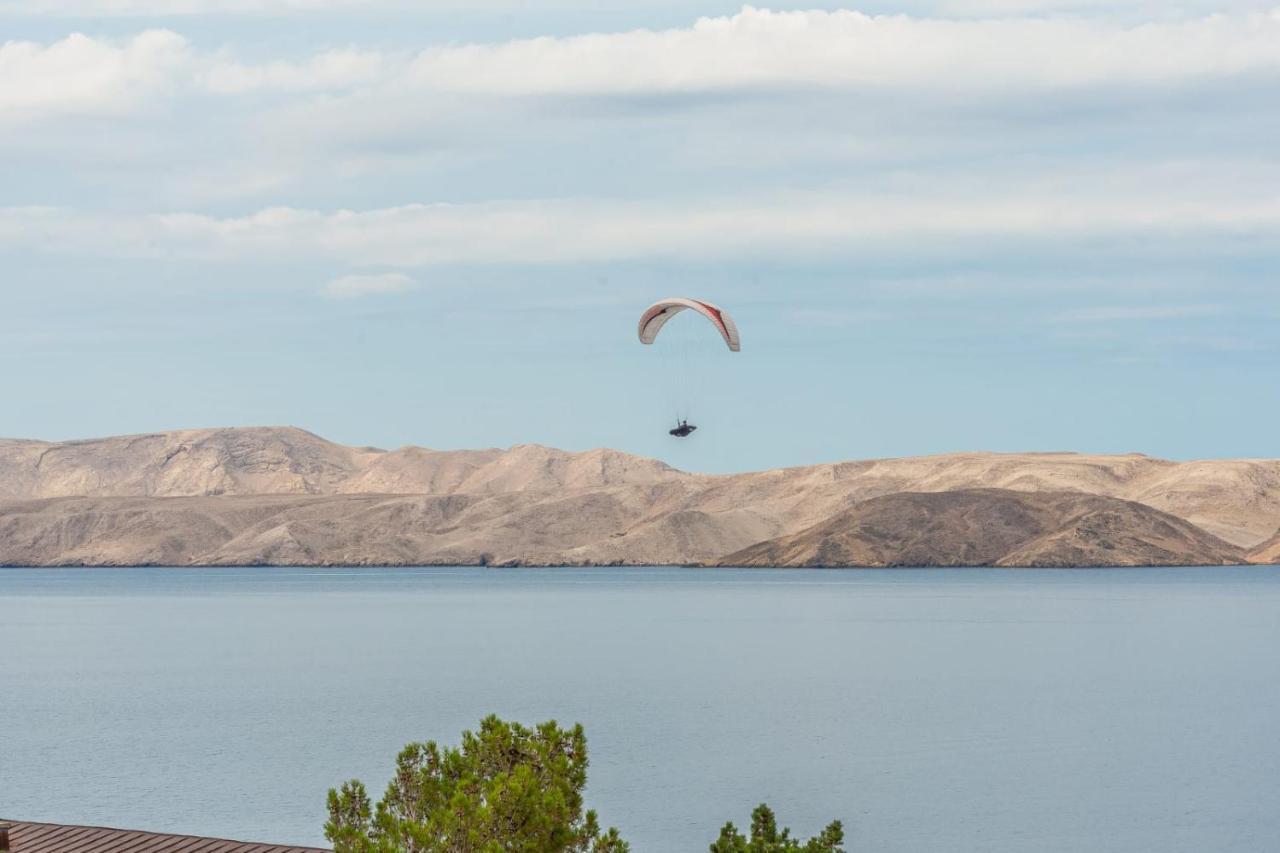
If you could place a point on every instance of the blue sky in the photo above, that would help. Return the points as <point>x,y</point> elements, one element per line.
<point>965,225</point>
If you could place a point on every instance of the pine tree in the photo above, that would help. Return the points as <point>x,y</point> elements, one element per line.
<point>767,838</point>
<point>506,789</point>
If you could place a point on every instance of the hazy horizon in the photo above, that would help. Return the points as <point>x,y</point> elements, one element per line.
<point>584,449</point>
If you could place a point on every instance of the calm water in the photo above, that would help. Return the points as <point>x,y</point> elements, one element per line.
<point>931,710</point>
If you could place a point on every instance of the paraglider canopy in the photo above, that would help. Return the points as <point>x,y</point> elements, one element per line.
<point>657,315</point>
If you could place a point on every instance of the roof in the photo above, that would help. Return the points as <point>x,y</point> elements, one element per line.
<point>27,837</point>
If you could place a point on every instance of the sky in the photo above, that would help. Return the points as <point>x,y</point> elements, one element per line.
<point>941,225</point>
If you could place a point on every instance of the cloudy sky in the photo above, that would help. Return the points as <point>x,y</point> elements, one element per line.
<point>942,225</point>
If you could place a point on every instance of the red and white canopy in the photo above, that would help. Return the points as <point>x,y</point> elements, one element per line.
<point>657,315</point>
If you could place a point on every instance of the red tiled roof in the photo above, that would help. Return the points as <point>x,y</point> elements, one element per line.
<point>60,838</point>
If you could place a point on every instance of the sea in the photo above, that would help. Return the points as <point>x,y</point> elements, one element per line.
<point>999,711</point>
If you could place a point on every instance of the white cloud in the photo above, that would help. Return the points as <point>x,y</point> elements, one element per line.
<point>171,8</point>
<point>82,75</point>
<point>1166,9</point>
<point>87,76</point>
<point>139,8</point>
<point>331,70</point>
<point>757,47</point>
<point>554,231</point>
<point>753,49</point>
<point>353,286</point>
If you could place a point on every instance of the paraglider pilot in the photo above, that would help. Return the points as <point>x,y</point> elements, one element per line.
<point>684,429</point>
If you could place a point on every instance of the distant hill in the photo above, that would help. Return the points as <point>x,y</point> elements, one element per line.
<point>994,527</point>
<point>284,495</point>
<point>287,460</point>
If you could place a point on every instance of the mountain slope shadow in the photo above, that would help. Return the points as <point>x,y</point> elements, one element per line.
<point>993,527</point>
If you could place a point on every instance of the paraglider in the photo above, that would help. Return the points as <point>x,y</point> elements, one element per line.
<point>656,316</point>
<point>682,430</point>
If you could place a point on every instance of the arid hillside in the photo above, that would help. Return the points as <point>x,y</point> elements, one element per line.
<point>994,527</point>
<point>291,461</point>
<point>283,495</point>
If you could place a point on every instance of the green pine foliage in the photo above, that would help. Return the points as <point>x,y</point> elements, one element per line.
<point>506,789</point>
<point>767,838</point>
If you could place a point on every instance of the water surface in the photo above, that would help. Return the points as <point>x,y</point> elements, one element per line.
<point>965,710</point>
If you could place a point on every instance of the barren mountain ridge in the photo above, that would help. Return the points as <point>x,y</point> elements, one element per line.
<point>281,495</point>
